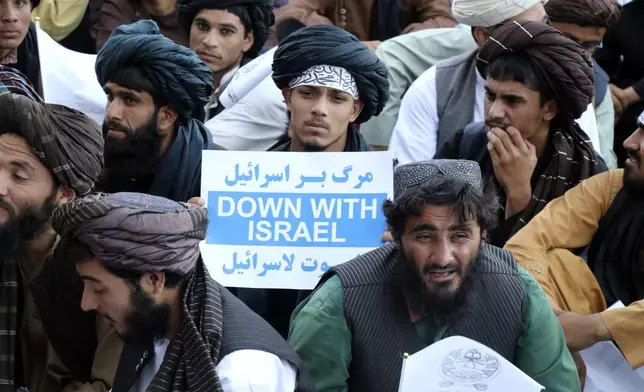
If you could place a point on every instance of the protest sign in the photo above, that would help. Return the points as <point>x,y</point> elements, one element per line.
<point>280,220</point>
<point>68,78</point>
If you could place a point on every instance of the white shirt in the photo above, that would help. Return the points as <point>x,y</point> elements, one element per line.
<point>239,371</point>
<point>416,132</point>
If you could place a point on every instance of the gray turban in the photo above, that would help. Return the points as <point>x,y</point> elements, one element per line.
<point>135,231</point>
<point>413,175</point>
<point>488,13</point>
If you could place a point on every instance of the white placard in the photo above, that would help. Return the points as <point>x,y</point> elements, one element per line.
<point>282,219</point>
<point>68,78</point>
<point>458,364</point>
<point>247,78</point>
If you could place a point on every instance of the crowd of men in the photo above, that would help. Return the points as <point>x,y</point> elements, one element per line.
<point>517,132</point>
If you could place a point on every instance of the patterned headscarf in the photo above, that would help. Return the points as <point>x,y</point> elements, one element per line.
<point>14,81</point>
<point>413,175</point>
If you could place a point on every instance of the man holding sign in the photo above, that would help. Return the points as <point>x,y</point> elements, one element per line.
<point>438,279</point>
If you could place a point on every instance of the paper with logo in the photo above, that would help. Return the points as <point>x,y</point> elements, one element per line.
<point>282,219</point>
<point>68,78</point>
<point>608,371</point>
<point>247,78</point>
<point>459,364</point>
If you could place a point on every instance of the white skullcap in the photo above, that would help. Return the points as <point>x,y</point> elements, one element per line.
<point>486,13</point>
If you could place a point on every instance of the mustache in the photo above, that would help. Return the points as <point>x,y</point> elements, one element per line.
<point>433,268</point>
<point>115,126</point>
<point>8,207</point>
<point>634,155</point>
<point>496,124</point>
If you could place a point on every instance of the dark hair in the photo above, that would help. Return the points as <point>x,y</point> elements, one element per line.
<point>517,67</point>
<point>134,78</point>
<point>443,191</point>
<point>74,251</point>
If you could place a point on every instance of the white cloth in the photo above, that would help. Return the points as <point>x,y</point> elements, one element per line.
<point>416,131</point>
<point>329,76</point>
<point>486,13</point>
<point>239,371</point>
<point>255,122</point>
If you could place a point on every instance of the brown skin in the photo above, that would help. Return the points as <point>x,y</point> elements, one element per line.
<point>15,16</point>
<point>518,127</point>
<point>436,236</point>
<point>320,117</point>
<point>588,37</point>
<point>110,295</point>
<point>634,145</point>
<point>220,40</point>
<point>25,182</point>
<point>535,13</point>
<point>133,109</point>
<point>160,7</point>
<point>623,99</point>
<point>582,330</point>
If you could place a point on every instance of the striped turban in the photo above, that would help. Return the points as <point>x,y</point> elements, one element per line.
<point>135,231</point>
<point>563,65</point>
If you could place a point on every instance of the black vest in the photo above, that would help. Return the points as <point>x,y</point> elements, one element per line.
<point>379,321</point>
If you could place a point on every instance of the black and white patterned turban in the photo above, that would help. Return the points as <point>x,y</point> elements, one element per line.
<point>413,175</point>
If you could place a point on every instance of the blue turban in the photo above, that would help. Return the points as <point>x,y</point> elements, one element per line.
<point>330,45</point>
<point>178,74</point>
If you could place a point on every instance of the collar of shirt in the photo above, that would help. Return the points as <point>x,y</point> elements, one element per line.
<point>10,58</point>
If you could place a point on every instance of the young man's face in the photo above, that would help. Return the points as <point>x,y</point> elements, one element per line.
<point>509,103</point>
<point>588,37</point>
<point>133,311</point>
<point>219,39</point>
<point>320,117</point>
<point>14,23</point>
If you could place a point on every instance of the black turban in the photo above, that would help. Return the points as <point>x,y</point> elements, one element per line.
<point>564,65</point>
<point>66,141</point>
<point>260,12</point>
<point>329,45</point>
<point>179,75</point>
<point>587,13</point>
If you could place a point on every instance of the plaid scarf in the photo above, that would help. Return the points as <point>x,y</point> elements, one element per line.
<point>9,298</point>
<point>191,359</point>
<point>572,162</point>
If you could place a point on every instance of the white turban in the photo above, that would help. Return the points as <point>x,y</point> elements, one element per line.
<point>486,13</point>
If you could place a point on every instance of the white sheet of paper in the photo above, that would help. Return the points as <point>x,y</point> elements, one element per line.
<point>608,371</point>
<point>282,219</point>
<point>459,364</point>
<point>247,78</point>
<point>68,78</point>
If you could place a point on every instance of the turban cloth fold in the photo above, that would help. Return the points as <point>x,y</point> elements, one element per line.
<point>564,65</point>
<point>488,13</point>
<point>66,141</point>
<point>592,13</point>
<point>14,81</point>
<point>330,45</point>
<point>135,231</point>
<point>260,11</point>
<point>179,75</point>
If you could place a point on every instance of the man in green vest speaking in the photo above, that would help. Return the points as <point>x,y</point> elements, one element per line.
<point>439,278</point>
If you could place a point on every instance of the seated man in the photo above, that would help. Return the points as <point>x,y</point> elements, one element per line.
<point>438,279</point>
<point>538,82</point>
<point>330,82</point>
<point>225,35</point>
<point>18,43</point>
<point>139,258</point>
<point>585,22</point>
<point>156,92</point>
<point>49,154</point>
<point>451,94</point>
<point>606,213</point>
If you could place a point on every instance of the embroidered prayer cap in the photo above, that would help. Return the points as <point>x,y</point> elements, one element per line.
<point>415,174</point>
<point>14,81</point>
<point>488,13</point>
<point>135,231</point>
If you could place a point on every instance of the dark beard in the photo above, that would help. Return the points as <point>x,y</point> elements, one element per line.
<point>131,164</point>
<point>24,227</point>
<point>148,321</point>
<point>633,185</point>
<point>439,306</point>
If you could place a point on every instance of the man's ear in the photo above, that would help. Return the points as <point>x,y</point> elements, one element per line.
<point>550,110</point>
<point>64,194</point>
<point>481,35</point>
<point>248,42</point>
<point>166,120</point>
<point>153,283</point>
<point>357,109</point>
<point>286,93</point>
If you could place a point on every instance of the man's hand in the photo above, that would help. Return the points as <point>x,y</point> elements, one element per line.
<point>198,201</point>
<point>582,331</point>
<point>623,99</point>
<point>514,160</point>
<point>373,45</point>
<point>615,93</point>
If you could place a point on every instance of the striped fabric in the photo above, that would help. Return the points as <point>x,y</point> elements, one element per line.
<point>13,81</point>
<point>379,321</point>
